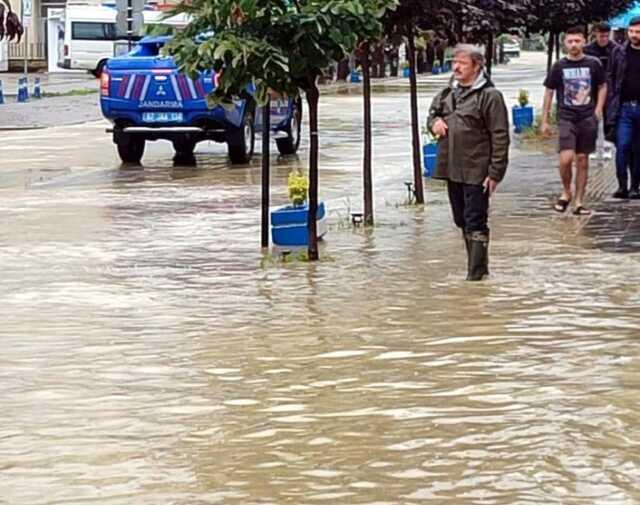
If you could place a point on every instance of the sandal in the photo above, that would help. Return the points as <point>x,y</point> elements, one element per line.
<point>581,211</point>
<point>561,205</point>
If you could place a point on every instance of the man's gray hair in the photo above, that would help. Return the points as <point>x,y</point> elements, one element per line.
<point>474,52</point>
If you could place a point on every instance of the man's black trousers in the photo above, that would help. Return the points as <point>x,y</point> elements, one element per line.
<point>470,206</point>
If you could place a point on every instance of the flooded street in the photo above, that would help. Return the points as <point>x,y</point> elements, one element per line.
<point>152,354</point>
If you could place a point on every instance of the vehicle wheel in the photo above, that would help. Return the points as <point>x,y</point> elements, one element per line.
<point>291,144</point>
<point>241,142</point>
<point>130,149</point>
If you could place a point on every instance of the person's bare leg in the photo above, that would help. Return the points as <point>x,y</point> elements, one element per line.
<point>582,177</point>
<point>566,173</point>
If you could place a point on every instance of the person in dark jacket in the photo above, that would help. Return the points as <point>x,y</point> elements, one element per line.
<point>623,112</point>
<point>470,119</point>
<point>601,48</point>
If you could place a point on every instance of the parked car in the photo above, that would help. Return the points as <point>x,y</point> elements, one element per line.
<point>511,47</point>
<point>146,98</point>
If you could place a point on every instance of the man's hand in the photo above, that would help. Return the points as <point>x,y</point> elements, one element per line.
<point>599,114</point>
<point>440,128</point>
<point>545,129</point>
<point>490,186</point>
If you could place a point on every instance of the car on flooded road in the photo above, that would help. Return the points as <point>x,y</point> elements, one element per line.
<point>146,98</point>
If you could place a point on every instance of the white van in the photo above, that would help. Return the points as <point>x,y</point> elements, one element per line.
<point>89,37</point>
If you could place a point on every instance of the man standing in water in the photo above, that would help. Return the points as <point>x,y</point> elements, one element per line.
<point>579,81</point>
<point>623,111</point>
<point>471,121</point>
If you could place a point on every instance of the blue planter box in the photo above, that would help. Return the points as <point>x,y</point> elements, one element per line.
<point>522,117</point>
<point>436,70</point>
<point>289,225</point>
<point>406,72</point>
<point>446,67</point>
<point>430,155</point>
<point>355,77</point>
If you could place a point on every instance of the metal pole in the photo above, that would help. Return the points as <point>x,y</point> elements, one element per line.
<point>26,51</point>
<point>129,23</point>
<point>366,93</point>
<point>415,125</point>
<point>266,131</point>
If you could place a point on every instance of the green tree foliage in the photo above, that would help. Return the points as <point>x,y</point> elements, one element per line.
<point>274,44</point>
<point>278,46</point>
<point>555,16</point>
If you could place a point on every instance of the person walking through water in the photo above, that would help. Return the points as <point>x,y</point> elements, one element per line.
<point>623,111</point>
<point>579,82</point>
<point>470,119</point>
<point>601,48</point>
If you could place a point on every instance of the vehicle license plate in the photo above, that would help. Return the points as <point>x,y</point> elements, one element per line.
<point>162,117</point>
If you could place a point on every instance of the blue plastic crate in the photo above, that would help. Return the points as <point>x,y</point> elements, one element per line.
<point>522,117</point>
<point>289,225</point>
<point>406,72</point>
<point>430,155</point>
<point>355,77</point>
<point>436,70</point>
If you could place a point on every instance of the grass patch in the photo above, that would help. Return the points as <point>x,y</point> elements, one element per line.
<point>73,92</point>
<point>295,255</point>
<point>533,134</point>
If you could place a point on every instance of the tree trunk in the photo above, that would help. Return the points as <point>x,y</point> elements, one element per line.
<point>552,38</point>
<point>368,178</point>
<point>415,125</point>
<point>266,134</point>
<point>489,53</point>
<point>557,46</point>
<point>313,97</point>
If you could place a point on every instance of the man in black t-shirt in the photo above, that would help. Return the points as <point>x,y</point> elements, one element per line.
<point>601,48</point>
<point>579,83</point>
<point>623,111</point>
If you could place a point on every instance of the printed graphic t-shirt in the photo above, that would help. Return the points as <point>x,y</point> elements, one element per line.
<point>576,84</point>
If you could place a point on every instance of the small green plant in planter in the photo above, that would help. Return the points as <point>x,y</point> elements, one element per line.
<point>406,69</point>
<point>289,225</point>
<point>298,188</point>
<point>523,114</point>
<point>523,98</point>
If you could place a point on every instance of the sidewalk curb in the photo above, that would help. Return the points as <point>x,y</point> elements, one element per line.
<point>21,128</point>
<point>41,127</point>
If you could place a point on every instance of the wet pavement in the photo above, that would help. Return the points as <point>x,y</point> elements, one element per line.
<point>153,354</point>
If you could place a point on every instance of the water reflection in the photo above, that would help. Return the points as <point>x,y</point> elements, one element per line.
<point>151,355</point>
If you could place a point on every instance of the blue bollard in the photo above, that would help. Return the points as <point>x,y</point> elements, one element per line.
<point>37,92</point>
<point>1,94</point>
<point>23,91</point>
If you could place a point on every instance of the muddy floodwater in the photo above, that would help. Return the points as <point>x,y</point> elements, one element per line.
<point>153,354</point>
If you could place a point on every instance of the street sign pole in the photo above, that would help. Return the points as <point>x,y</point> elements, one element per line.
<point>26,50</point>
<point>130,22</point>
<point>27,12</point>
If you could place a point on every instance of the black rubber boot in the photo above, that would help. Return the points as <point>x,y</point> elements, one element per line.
<point>478,255</point>
<point>467,244</point>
